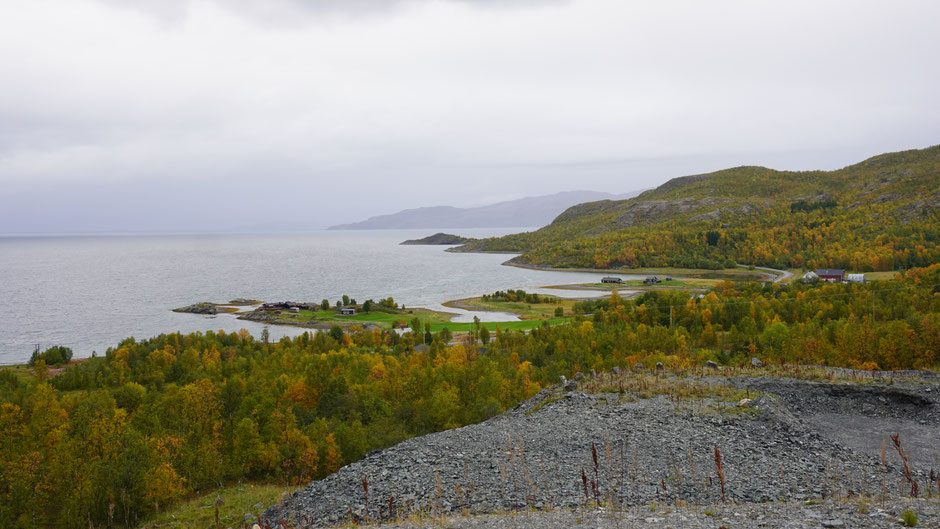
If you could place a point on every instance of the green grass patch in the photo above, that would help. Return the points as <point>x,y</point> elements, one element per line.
<point>525,311</point>
<point>523,325</point>
<point>662,283</point>
<point>21,372</point>
<point>238,500</point>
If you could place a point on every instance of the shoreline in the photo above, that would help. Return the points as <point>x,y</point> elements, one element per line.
<point>683,272</point>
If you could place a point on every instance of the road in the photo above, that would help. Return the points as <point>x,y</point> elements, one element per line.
<point>781,275</point>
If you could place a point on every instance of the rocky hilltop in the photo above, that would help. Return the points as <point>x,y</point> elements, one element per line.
<point>652,439</point>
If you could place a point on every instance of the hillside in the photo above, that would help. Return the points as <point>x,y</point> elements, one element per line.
<point>531,211</point>
<point>880,214</point>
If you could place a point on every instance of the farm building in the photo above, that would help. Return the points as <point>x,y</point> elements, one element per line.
<point>611,280</point>
<point>831,274</point>
<point>347,311</point>
<point>855,278</point>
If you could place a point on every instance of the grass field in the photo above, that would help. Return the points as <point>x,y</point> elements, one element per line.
<point>237,501</point>
<point>734,274</point>
<point>382,319</point>
<point>526,311</point>
<point>22,372</point>
<point>522,325</point>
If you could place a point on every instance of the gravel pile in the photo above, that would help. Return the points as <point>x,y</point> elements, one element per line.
<point>649,451</point>
<point>792,515</point>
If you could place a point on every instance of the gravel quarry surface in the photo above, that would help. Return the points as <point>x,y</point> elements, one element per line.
<point>790,515</point>
<point>793,441</point>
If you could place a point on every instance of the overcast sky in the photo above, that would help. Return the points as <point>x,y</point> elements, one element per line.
<point>200,114</point>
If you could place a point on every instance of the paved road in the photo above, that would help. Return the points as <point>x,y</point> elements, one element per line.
<point>782,275</point>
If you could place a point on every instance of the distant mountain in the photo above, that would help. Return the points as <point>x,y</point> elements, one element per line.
<point>879,214</point>
<point>531,211</point>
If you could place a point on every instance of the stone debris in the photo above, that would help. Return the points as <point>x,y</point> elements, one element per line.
<point>787,447</point>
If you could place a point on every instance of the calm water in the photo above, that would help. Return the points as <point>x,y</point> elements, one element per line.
<point>88,293</point>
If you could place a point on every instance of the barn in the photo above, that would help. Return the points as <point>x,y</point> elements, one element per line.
<point>833,275</point>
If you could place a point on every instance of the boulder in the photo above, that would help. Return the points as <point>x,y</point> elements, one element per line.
<point>660,367</point>
<point>639,367</point>
<point>578,376</point>
<point>755,362</point>
<point>563,381</point>
<point>711,365</point>
<point>593,373</point>
<point>615,370</point>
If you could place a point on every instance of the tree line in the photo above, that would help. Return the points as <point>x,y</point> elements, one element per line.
<point>116,438</point>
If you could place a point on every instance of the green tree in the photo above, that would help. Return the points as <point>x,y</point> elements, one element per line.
<point>336,332</point>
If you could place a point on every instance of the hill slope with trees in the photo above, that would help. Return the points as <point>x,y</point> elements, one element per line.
<point>880,214</point>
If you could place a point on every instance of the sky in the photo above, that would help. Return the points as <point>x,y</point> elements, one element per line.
<point>201,115</point>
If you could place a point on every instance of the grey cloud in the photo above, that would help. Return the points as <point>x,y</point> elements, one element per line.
<point>207,109</point>
<point>295,12</point>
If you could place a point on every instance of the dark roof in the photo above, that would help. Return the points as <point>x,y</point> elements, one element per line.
<point>830,272</point>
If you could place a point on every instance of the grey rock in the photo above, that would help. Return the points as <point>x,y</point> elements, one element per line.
<point>711,365</point>
<point>660,367</point>
<point>615,370</point>
<point>593,373</point>
<point>755,362</point>
<point>533,455</point>
<point>578,376</point>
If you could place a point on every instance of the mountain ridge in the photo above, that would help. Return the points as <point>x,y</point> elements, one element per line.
<point>882,213</point>
<point>528,211</point>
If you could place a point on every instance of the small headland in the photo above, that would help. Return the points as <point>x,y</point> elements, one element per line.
<point>205,307</point>
<point>439,239</point>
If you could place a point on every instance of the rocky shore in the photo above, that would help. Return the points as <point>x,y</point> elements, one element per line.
<point>779,439</point>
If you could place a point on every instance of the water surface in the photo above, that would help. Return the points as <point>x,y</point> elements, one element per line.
<point>89,292</point>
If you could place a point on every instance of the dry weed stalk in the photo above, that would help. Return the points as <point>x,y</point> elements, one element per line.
<point>896,439</point>
<point>692,467</point>
<point>594,482</point>
<point>365,494</point>
<point>884,474</point>
<point>502,474</point>
<point>584,483</point>
<point>720,470</point>
<point>438,494</point>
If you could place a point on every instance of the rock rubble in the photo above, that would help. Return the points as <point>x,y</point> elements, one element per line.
<point>661,450</point>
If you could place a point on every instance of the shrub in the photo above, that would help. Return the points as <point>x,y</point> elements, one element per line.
<point>55,355</point>
<point>909,517</point>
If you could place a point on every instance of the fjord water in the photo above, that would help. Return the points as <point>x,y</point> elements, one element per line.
<point>90,292</point>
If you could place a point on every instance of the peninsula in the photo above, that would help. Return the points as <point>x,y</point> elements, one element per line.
<point>439,239</point>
